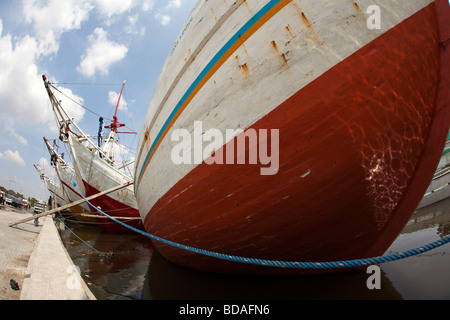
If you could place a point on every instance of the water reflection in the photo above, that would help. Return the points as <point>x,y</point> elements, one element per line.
<point>167,281</point>
<point>426,276</point>
<point>137,271</point>
<point>120,276</point>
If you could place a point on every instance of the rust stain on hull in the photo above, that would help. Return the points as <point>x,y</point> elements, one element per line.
<point>308,24</point>
<point>357,7</point>
<point>244,69</point>
<point>305,20</point>
<point>282,55</point>
<point>147,139</point>
<point>288,28</point>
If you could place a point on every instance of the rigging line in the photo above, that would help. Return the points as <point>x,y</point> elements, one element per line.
<point>76,102</point>
<point>128,148</point>
<point>84,107</point>
<point>87,84</point>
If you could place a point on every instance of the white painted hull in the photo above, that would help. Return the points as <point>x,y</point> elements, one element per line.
<point>295,47</point>
<point>67,177</point>
<point>96,173</point>
<point>94,176</point>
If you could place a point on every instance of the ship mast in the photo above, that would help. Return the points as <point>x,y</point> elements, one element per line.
<point>63,119</point>
<point>109,145</point>
<point>115,124</point>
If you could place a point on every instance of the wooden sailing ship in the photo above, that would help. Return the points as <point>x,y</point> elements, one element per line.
<point>95,170</point>
<point>362,112</point>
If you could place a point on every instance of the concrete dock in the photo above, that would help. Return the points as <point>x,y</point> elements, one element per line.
<point>36,259</point>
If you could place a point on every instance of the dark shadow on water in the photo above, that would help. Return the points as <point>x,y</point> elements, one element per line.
<point>136,271</point>
<point>167,281</point>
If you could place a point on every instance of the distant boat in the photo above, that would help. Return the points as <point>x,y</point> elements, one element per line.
<point>95,170</point>
<point>53,188</point>
<point>359,96</point>
<point>438,189</point>
<point>66,174</point>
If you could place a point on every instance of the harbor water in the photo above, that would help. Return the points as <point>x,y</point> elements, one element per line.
<point>126,267</point>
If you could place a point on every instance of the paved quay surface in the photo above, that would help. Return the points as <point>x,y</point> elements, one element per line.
<point>36,259</point>
<point>16,246</point>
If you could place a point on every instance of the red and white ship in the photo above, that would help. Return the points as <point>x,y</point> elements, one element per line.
<point>359,91</point>
<point>95,171</point>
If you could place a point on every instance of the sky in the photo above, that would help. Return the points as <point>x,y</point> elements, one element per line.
<point>87,48</point>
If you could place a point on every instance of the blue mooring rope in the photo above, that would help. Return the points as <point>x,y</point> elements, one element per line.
<point>287,264</point>
<point>110,254</point>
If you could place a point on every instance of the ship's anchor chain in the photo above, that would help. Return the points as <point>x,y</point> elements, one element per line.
<point>287,264</point>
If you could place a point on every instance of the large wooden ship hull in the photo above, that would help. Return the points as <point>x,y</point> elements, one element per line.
<point>362,116</point>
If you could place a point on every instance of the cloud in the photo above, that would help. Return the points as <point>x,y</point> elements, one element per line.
<point>17,136</point>
<point>132,27</point>
<point>21,88</point>
<point>25,104</point>
<point>148,5</point>
<point>113,7</point>
<point>15,157</point>
<point>174,4</point>
<point>52,18</point>
<point>112,99</point>
<point>8,125</point>
<point>164,19</point>
<point>101,54</point>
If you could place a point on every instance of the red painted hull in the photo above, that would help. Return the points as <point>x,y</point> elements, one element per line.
<point>115,209</point>
<point>369,132</point>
